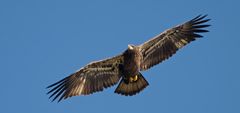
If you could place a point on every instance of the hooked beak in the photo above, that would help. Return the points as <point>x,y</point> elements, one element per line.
<point>130,47</point>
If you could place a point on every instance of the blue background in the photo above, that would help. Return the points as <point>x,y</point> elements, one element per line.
<point>42,41</point>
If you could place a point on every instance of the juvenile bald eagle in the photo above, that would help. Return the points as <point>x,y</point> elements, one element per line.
<point>126,67</point>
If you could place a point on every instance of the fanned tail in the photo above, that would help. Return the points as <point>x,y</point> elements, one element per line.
<point>131,88</point>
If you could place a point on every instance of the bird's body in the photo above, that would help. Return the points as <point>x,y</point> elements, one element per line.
<point>131,65</point>
<point>132,80</point>
<point>127,66</point>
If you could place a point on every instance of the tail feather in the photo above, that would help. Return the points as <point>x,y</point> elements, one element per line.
<point>132,88</point>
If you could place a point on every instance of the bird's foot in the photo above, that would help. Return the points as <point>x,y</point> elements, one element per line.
<point>134,79</point>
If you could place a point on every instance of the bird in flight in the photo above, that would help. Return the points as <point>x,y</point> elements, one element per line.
<point>127,66</point>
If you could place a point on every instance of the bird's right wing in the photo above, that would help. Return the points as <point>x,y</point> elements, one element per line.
<point>92,78</point>
<point>167,43</point>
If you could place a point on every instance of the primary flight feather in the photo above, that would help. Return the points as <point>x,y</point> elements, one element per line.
<point>126,67</point>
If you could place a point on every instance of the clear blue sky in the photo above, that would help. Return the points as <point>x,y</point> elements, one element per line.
<point>42,41</point>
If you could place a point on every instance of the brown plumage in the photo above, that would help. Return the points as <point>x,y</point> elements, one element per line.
<point>102,74</point>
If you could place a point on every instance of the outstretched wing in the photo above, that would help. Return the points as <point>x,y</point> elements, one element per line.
<point>92,78</point>
<point>167,43</point>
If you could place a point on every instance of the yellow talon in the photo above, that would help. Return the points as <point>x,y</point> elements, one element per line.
<point>134,79</point>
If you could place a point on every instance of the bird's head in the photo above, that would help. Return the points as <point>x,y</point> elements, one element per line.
<point>131,47</point>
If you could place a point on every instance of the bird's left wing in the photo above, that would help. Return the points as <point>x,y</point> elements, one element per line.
<point>92,78</point>
<point>167,43</point>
